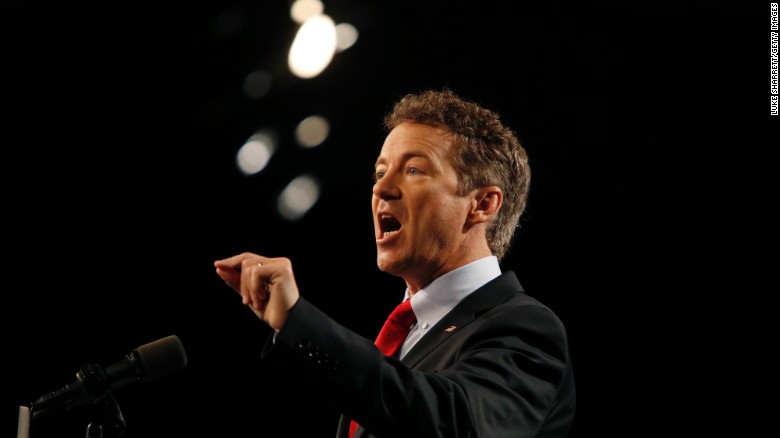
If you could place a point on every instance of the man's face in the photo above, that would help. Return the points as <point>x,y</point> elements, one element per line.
<point>418,215</point>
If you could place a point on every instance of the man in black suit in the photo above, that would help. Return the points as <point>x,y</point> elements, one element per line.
<point>483,358</point>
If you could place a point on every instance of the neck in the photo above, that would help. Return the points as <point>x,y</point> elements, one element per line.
<point>416,282</point>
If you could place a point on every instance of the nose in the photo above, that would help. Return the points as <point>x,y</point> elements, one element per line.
<point>386,188</point>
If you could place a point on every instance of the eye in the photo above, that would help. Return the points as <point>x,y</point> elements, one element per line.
<point>414,171</point>
<point>378,175</point>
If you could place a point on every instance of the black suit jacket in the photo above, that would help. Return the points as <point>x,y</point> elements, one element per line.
<point>496,366</point>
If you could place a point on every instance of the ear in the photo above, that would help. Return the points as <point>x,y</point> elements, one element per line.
<point>485,203</point>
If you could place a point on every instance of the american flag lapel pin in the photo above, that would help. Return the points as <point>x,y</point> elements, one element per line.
<point>450,328</point>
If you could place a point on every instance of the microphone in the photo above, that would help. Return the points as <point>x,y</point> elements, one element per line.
<point>144,364</point>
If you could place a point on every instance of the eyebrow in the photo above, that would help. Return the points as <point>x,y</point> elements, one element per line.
<point>405,157</point>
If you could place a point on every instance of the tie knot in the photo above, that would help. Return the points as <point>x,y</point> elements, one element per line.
<point>396,328</point>
<point>403,314</point>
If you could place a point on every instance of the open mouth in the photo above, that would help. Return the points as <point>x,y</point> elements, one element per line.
<point>388,226</point>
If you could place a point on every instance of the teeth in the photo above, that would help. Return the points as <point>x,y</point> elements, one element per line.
<point>387,233</point>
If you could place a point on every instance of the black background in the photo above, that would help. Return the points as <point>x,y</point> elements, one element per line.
<point>650,228</point>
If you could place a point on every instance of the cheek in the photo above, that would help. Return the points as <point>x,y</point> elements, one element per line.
<point>438,226</point>
<point>450,210</point>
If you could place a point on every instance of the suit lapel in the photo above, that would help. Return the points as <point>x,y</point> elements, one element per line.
<point>491,294</point>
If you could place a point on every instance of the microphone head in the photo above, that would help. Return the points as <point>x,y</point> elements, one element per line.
<point>161,357</point>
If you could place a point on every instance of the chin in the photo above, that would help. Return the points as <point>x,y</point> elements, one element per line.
<point>381,265</point>
<point>388,266</point>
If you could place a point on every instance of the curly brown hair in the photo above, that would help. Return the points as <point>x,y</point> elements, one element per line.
<point>486,152</point>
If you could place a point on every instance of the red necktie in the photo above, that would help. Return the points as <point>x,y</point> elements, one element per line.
<point>392,335</point>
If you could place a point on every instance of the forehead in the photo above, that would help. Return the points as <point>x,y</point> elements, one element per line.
<point>414,139</point>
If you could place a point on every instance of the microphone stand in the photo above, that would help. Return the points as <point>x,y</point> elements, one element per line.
<point>98,391</point>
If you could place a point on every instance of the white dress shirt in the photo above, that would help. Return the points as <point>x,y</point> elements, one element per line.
<point>435,300</point>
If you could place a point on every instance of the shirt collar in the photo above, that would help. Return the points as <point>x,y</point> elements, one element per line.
<point>434,301</point>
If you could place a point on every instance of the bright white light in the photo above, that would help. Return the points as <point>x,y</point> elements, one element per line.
<point>313,47</point>
<point>255,153</point>
<point>346,36</point>
<point>312,131</point>
<point>302,10</point>
<point>298,197</point>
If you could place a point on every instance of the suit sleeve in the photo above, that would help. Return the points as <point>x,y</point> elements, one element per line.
<point>500,377</point>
